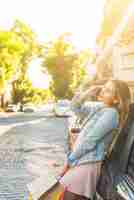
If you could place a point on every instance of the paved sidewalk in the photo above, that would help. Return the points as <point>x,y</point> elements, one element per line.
<point>8,114</point>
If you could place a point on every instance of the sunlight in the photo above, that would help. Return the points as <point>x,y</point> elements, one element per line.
<point>50,18</point>
<point>38,79</point>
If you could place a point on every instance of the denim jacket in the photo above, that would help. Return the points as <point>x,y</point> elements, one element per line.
<point>95,136</point>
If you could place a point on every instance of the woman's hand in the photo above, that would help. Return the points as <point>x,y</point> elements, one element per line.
<point>65,169</point>
<point>94,90</point>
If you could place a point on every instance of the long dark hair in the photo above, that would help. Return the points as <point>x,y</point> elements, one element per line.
<point>123,94</point>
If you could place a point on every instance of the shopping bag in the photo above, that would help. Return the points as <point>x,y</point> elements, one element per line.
<point>45,188</point>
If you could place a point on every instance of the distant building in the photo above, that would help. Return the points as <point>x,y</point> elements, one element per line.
<point>118,61</point>
<point>114,10</point>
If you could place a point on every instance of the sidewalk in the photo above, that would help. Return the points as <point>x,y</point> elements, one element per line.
<point>7,114</point>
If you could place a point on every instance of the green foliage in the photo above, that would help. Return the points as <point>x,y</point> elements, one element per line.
<point>11,49</point>
<point>24,92</point>
<point>22,89</point>
<point>17,48</point>
<point>31,46</point>
<point>19,45</point>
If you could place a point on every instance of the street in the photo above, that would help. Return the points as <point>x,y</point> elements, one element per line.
<point>30,146</point>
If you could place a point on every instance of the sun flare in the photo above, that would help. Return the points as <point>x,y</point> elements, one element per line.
<point>38,79</point>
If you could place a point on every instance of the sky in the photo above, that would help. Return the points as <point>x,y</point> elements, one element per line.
<point>50,18</point>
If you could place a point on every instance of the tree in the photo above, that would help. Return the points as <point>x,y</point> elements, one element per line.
<point>31,45</point>
<point>64,66</point>
<point>17,47</point>
<point>11,49</point>
<point>24,92</point>
<point>31,48</point>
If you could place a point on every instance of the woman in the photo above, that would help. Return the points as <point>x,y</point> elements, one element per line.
<point>82,168</point>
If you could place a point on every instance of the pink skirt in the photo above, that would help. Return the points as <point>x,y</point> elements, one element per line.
<point>82,179</point>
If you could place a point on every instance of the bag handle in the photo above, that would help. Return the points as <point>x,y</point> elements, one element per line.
<point>88,118</point>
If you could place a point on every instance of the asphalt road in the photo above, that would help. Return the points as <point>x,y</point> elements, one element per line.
<point>32,145</point>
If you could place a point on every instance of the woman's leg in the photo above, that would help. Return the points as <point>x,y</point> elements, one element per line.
<point>71,196</point>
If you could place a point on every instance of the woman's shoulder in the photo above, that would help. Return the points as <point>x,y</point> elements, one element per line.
<point>111,112</point>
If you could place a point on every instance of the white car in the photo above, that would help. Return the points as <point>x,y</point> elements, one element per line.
<point>47,107</point>
<point>62,108</point>
<point>12,108</point>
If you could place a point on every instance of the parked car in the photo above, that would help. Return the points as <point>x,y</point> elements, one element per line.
<point>12,108</point>
<point>62,108</point>
<point>29,108</point>
<point>47,108</point>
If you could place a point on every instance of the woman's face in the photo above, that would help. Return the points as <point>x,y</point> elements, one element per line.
<point>107,94</point>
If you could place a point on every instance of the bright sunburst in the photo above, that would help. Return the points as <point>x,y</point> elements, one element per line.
<point>50,18</point>
<point>38,79</point>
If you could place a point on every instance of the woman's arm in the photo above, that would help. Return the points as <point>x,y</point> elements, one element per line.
<point>78,100</point>
<point>77,104</point>
<point>87,139</point>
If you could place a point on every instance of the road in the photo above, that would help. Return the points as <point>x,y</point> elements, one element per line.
<point>32,145</point>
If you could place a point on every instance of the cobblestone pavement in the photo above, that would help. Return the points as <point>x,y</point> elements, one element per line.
<point>26,152</point>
